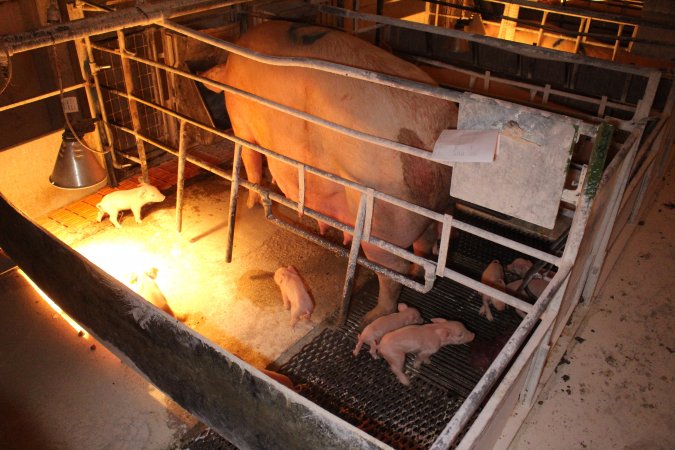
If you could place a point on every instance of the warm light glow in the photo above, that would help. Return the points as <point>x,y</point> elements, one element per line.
<point>120,256</point>
<point>55,307</point>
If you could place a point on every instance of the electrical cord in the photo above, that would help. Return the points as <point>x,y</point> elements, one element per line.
<point>65,114</point>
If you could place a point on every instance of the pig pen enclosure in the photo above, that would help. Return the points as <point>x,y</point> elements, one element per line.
<point>574,163</point>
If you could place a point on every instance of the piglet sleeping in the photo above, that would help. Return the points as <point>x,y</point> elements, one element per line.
<point>294,294</point>
<point>372,334</point>
<point>144,284</point>
<point>423,340</point>
<point>132,199</point>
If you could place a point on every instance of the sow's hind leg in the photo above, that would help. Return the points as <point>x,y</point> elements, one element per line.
<point>253,163</point>
<point>390,290</point>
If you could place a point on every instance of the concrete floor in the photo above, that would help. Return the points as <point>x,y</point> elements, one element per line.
<point>614,390</point>
<point>59,392</point>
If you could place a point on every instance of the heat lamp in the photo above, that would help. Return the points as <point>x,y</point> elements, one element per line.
<point>76,167</point>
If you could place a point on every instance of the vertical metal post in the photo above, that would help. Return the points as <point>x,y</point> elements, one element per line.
<point>540,34</point>
<point>301,189</point>
<point>159,84</point>
<point>133,108</point>
<point>234,188</point>
<point>379,11</point>
<point>180,184</point>
<point>351,265</point>
<point>94,68</point>
<point>95,105</point>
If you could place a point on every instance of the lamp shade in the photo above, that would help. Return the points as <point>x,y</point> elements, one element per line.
<point>75,167</point>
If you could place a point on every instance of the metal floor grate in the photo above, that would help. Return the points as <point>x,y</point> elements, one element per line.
<point>365,393</point>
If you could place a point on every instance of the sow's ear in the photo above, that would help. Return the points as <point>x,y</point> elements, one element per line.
<point>216,73</point>
<point>438,320</point>
<point>402,307</point>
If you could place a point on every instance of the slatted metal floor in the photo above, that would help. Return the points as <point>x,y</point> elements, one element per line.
<point>365,393</point>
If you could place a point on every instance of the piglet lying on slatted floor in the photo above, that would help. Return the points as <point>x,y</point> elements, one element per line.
<point>422,340</point>
<point>372,334</point>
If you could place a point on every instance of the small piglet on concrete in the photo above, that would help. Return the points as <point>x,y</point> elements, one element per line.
<point>493,276</point>
<point>423,340</point>
<point>294,294</point>
<point>519,266</point>
<point>372,334</point>
<point>132,199</point>
<point>144,284</point>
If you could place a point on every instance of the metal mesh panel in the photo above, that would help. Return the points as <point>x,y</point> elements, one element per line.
<point>147,85</point>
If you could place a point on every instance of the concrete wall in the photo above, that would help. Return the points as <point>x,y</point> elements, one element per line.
<point>24,177</point>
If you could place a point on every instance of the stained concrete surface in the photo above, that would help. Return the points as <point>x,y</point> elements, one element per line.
<point>614,387</point>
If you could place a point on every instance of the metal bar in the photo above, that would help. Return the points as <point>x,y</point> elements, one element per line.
<point>301,188</point>
<point>302,115</point>
<point>644,105</point>
<point>94,103</point>
<point>444,245</point>
<point>191,159</point>
<point>501,391</point>
<point>41,97</point>
<point>370,203</point>
<point>133,108</point>
<point>515,47</point>
<point>567,10</point>
<point>600,250</point>
<point>353,256</point>
<point>401,203</point>
<point>487,290</point>
<point>141,14</point>
<point>182,152</point>
<point>94,68</point>
<point>234,193</point>
<point>535,253</point>
<point>324,66</point>
<point>452,430</point>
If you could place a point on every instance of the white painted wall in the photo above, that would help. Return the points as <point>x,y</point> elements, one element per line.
<point>24,177</point>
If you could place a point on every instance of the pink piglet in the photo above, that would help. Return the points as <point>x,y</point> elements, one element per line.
<point>294,294</point>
